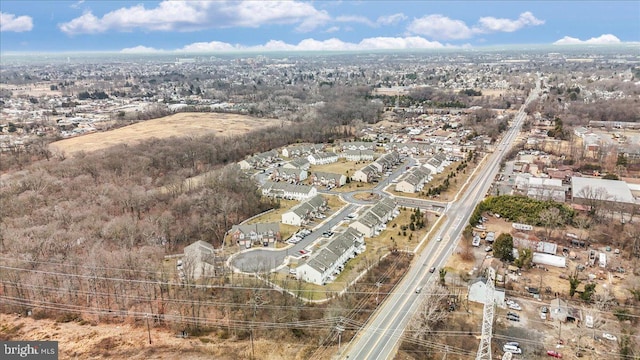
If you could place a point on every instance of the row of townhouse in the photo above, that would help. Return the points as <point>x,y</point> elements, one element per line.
<point>372,171</point>
<point>323,265</point>
<point>293,176</point>
<point>358,145</point>
<point>259,160</point>
<point>437,163</point>
<point>374,220</point>
<point>298,163</point>
<point>301,150</point>
<point>322,158</point>
<point>288,191</point>
<point>261,233</point>
<point>305,211</point>
<point>411,148</point>
<point>327,179</point>
<point>413,181</point>
<point>358,155</point>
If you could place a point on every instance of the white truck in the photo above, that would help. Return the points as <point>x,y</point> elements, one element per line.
<point>603,260</point>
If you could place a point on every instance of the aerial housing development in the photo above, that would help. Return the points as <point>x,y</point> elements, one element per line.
<point>429,195</point>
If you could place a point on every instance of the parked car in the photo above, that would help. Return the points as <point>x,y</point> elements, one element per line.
<point>512,349</point>
<point>554,353</point>
<point>513,318</point>
<point>609,337</point>
<point>513,343</point>
<point>515,306</point>
<point>433,269</point>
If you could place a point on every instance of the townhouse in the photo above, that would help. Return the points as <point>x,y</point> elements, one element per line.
<point>437,163</point>
<point>358,145</point>
<point>249,234</point>
<point>293,176</point>
<point>374,220</point>
<point>288,191</point>
<point>301,150</point>
<point>298,163</point>
<point>323,265</point>
<point>305,211</point>
<point>331,180</point>
<point>259,160</point>
<point>322,158</point>
<point>358,155</point>
<point>367,174</point>
<point>386,161</point>
<point>413,181</point>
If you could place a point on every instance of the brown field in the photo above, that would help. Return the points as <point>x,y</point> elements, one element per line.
<point>182,124</point>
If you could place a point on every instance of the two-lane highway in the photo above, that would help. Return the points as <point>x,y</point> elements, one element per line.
<point>380,337</point>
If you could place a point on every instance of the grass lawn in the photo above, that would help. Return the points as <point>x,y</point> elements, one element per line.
<point>342,166</point>
<point>354,185</point>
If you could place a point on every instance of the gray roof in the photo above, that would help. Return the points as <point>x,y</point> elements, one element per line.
<point>299,162</point>
<point>259,228</point>
<point>601,189</point>
<point>328,175</point>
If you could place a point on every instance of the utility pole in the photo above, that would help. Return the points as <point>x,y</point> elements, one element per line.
<point>378,284</point>
<point>339,329</point>
<point>148,328</point>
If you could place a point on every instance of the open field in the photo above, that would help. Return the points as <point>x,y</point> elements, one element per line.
<point>182,124</point>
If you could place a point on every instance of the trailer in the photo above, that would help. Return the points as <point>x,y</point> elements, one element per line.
<point>603,260</point>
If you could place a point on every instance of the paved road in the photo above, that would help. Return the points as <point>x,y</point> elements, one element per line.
<point>380,338</point>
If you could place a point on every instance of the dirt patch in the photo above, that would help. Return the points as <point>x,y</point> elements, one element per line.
<point>183,124</point>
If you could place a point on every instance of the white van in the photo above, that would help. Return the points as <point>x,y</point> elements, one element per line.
<point>511,349</point>
<point>418,289</point>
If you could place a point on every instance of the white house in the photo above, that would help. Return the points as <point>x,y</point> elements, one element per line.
<point>366,174</point>
<point>358,155</point>
<point>293,176</point>
<point>198,260</point>
<point>413,181</point>
<point>288,191</point>
<point>301,213</point>
<point>324,264</point>
<point>478,293</point>
<point>328,179</point>
<point>298,163</point>
<point>322,158</point>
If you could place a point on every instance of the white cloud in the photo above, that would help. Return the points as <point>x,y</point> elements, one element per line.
<point>10,22</point>
<point>333,44</point>
<point>391,19</point>
<point>490,24</point>
<point>140,50</point>
<point>604,39</point>
<point>440,27</point>
<point>355,19</point>
<point>77,4</point>
<point>332,29</point>
<point>196,15</point>
<point>444,28</point>
<point>210,46</point>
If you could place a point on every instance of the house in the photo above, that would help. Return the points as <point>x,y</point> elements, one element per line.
<point>372,221</point>
<point>301,150</point>
<point>358,155</point>
<point>292,176</point>
<point>413,181</point>
<point>478,293</point>
<point>259,160</point>
<point>322,265</point>
<point>198,260</point>
<point>386,161</point>
<point>261,233</point>
<point>541,188</point>
<point>437,163</point>
<point>319,178</point>
<point>358,145</point>
<point>298,163</point>
<point>367,174</point>
<point>303,212</point>
<point>288,191</point>
<point>322,158</point>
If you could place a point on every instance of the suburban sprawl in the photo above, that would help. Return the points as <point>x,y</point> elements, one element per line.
<point>383,205</point>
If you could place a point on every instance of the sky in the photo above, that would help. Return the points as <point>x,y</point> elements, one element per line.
<point>228,26</point>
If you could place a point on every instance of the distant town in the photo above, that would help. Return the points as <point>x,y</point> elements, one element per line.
<point>411,205</point>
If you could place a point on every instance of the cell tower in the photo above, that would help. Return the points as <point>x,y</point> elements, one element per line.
<point>484,350</point>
